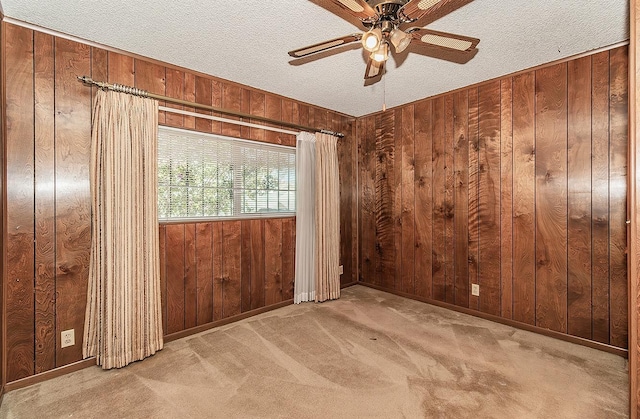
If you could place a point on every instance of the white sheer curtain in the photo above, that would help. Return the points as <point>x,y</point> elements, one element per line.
<point>304,288</point>
<point>123,321</point>
<point>317,218</point>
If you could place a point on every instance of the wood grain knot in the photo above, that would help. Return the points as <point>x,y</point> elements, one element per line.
<point>543,262</point>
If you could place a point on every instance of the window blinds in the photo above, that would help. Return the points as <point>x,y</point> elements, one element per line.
<point>209,176</point>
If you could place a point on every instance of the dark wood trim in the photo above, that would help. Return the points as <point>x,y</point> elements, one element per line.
<point>349,284</point>
<point>527,70</point>
<point>48,375</point>
<point>633,236</point>
<point>198,329</point>
<point>546,332</point>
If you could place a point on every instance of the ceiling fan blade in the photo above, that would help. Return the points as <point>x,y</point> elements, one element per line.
<point>322,46</point>
<point>357,8</point>
<point>417,9</point>
<point>448,41</point>
<point>374,69</point>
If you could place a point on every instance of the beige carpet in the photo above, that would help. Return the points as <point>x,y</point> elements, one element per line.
<point>369,354</point>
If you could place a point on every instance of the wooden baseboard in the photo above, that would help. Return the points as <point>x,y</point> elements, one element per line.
<point>222,322</point>
<point>513,323</point>
<point>47,375</point>
<point>350,284</point>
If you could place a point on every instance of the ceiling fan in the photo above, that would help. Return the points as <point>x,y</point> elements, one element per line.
<point>383,20</point>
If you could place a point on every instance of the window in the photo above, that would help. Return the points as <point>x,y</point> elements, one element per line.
<point>209,176</point>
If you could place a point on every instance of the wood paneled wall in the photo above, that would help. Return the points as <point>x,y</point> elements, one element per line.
<point>210,270</point>
<point>214,270</point>
<point>518,185</point>
<point>2,205</point>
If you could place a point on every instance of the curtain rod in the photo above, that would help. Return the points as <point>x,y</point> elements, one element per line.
<point>227,120</point>
<point>144,93</point>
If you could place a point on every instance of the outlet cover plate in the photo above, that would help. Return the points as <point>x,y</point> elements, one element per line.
<point>475,289</point>
<point>67,338</point>
<point>341,269</point>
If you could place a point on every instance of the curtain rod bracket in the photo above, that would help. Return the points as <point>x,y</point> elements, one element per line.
<point>143,93</point>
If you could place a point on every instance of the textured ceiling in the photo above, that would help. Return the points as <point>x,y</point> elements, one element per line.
<point>246,41</point>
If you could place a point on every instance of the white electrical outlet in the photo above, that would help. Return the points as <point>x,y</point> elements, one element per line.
<point>67,338</point>
<point>341,269</point>
<point>475,289</point>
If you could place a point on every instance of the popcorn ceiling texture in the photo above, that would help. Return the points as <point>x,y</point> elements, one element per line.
<point>247,42</point>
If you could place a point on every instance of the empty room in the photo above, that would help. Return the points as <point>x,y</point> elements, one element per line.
<point>319,208</point>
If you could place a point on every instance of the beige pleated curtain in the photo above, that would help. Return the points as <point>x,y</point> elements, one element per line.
<point>123,321</point>
<point>327,218</point>
<point>317,219</point>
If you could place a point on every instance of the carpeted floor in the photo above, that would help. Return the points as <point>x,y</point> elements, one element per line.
<point>369,354</point>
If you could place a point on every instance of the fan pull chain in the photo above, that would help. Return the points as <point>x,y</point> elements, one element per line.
<point>384,93</point>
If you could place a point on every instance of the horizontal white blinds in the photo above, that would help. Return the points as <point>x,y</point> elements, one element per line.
<point>206,176</point>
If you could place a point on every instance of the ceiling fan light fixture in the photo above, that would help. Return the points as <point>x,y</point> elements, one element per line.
<point>400,40</point>
<point>371,40</point>
<point>381,54</point>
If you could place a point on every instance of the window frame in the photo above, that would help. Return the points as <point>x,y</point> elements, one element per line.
<point>237,195</point>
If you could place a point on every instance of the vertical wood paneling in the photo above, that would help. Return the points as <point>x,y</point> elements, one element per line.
<point>175,247</point>
<point>204,272</point>
<point>231,268</point>
<point>408,201</point>
<point>579,198</point>
<point>121,69</point>
<point>619,136</point>
<point>524,158</point>
<point>396,200</point>
<point>218,280</point>
<point>246,266</point>
<point>385,228</point>
<point>474,182</point>
<point>449,179</point>
<point>175,88</point>
<point>203,96</point>
<point>532,168</point>
<point>151,77</point>
<point>203,277</point>
<point>347,198</point>
<point>20,202</point>
<point>257,260</point>
<point>489,197</point>
<point>461,197</point>
<point>216,101</point>
<point>190,277</point>
<point>438,165</point>
<point>189,95</point>
<point>506,198</point>
<point>73,199</point>
<point>273,260</point>
<point>551,197</point>
<point>162,240</point>
<point>367,233</point>
<point>423,202</point>
<point>600,196</point>
<point>257,108</point>
<point>45,330</point>
<point>287,116</point>
<point>288,257</point>
<point>231,99</point>
<point>245,107</point>
<point>272,109</point>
